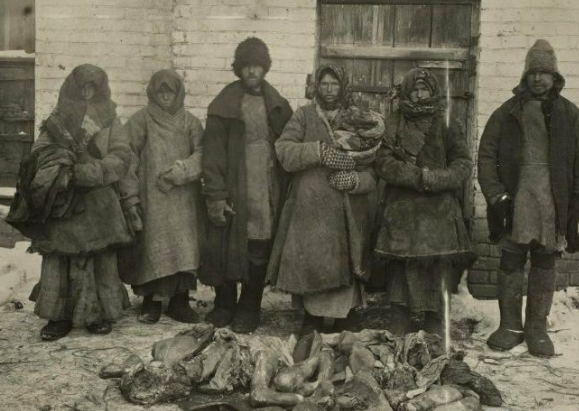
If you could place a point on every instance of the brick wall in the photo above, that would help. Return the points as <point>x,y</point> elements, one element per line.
<point>130,39</point>
<point>207,32</point>
<point>508,29</point>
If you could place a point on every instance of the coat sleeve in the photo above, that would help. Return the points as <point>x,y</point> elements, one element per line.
<point>112,167</point>
<point>136,129</point>
<point>459,164</point>
<point>214,159</point>
<point>367,181</point>
<point>488,160</point>
<point>293,153</point>
<point>190,169</point>
<point>397,172</point>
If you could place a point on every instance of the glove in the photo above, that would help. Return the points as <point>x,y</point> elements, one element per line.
<point>335,159</point>
<point>344,180</point>
<point>502,206</point>
<point>218,211</point>
<point>134,218</point>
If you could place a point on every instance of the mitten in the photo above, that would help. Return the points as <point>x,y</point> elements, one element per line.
<point>217,211</point>
<point>336,159</point>
<point>344,180</point>
<point>165,181</point>
<point>134,218</point>
<point>502,206</point>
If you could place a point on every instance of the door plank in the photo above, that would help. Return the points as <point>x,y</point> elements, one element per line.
<point>394,53</point>
<point>413,26</point>
<point>451,26</point>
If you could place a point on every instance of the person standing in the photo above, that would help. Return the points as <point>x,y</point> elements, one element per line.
<point>425,164</point>
<point>322,247</point>
<point>528,170</point>
<point>162,199</point>
<point>244,187</point>
<point>68,204</point>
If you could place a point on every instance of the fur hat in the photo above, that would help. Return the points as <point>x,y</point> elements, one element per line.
<point>251,51</point>
<point>541,57</point>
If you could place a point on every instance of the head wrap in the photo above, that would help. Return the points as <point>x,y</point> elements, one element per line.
<point>426,107</point>
<point>344,100</point>
<point>251,51</point>
<point>173,82</point>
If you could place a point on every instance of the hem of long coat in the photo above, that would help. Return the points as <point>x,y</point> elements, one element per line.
<point>463,259</point>
<point>315,292</point>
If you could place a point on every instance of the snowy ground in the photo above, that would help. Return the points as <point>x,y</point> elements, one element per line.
<point>35,375</point>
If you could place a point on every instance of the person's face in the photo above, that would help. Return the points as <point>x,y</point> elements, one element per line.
<point>540,82</point>
<point>88,91</point>
<point>420,92</point>
<point>252,76</point>
<point>329,88</point>
<point>166,96</point>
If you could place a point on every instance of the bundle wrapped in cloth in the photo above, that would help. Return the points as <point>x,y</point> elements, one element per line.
<point>356,129</point>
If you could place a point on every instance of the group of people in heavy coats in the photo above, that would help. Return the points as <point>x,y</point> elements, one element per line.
<point>267,196</point>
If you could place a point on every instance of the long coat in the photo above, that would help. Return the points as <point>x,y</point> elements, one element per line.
<point>316,248</point>
<point>419,225</point>
<point>500,156</point>
<point>172,222</point>
<point>97,221</point>
<point>225,250</point>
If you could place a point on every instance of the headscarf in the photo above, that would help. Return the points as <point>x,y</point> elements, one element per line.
<point>407,139</point>
<point>425,107</point>
<point>174,82</point>
<point>74,120</point>
<point>344,100</point>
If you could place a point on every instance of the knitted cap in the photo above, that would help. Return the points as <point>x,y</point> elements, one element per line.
<point>251,51</point>
<point>541,57</point>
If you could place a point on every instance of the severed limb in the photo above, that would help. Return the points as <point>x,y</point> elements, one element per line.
<point>266,367</point>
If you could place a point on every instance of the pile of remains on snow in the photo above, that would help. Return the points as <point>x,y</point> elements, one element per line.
<point>369,370</point>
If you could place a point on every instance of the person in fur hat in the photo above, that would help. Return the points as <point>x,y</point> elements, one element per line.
<point>243,187</point>
<point>528,170</point>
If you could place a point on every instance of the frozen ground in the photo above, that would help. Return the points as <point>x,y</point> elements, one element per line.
<point>35,375</point>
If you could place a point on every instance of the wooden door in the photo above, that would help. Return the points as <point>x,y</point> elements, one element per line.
<point>379,41</point>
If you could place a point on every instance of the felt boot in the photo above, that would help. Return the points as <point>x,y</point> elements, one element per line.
<point>180,310</point>
<point>150,311</point>
<point>350,323</point>
<point>55,330</point>
<point>510,296</point>
<point>248,314</point>
<point>539,299</point>
<point>400,321</point>
<point>310,324</point>
<point>434,323</point>
<point>225,304</point>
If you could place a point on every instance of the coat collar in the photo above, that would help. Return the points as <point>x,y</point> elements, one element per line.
<point>227,104</point>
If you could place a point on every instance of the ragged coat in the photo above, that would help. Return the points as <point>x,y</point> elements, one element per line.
<point>225,249</point>
<point>419,225</point>
<point>316,248</point>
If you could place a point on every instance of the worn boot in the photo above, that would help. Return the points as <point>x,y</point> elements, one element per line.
<point>310,324</point>
<point>180,310</point>
<point>225,304</point>
<point>434,323</point>
<point>248,314</point>
<point>150,311</point>
<point>510,296</point>
<point>350,323</point>
<point>55,330</point>
<point>400,321</point>
<point>539,299</point>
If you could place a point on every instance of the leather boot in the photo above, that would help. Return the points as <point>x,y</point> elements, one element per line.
<point>400,321</point>
<point>539,299</point>
<point>225,304</point>
<point>150,311</point>
<point>248,314</point>
<point>510,296</point>
<point>180,310</point>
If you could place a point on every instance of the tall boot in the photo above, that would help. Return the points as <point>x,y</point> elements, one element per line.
<point>248,314</point>
<point>510,296</point>
<point>434,323</point>
<point>223,306</point>
<point>310,324</point>
<point>539,299</point>
<point>400,321</point>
